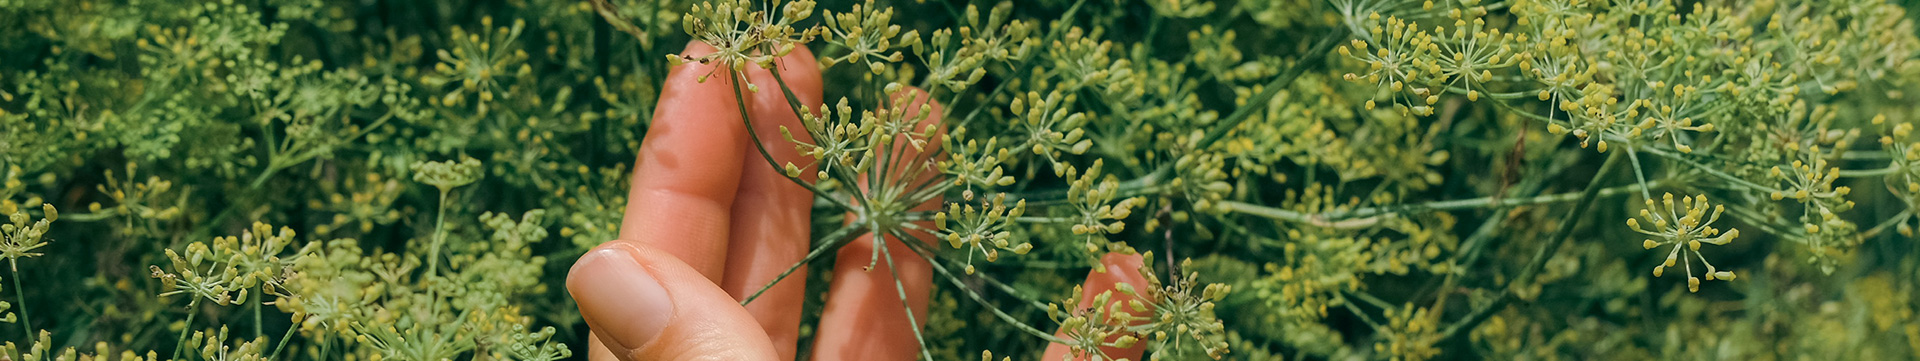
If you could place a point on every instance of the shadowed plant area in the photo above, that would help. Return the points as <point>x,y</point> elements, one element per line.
<point>1305,179</point>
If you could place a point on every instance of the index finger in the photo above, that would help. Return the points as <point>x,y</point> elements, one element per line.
<point>685,178</point>
<point>772,215</point>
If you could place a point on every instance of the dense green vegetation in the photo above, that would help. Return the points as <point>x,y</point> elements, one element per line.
<point>1315,179</point>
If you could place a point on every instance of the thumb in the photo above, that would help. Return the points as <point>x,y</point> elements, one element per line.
<point>1115,268</point>
<point>644,304</point>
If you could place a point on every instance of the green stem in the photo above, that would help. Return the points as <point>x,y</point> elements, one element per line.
<point>1708,170</point>
<point>272,167</point>
<point>259,328</point>
<point>273,156</point>
<point>283,342</point>
<point>1851,173</point>
<point>25,324</point>
<point>1540,258</point>
<point>989,280</point>
<point>439,234</point>
<point>977,298</point>
<point>1476,244</point>
<point>1889,223</point>
<point>834,240</point>
<point>1364,318</point>
<point>433,257</point>
<point>192,310</point>
<point>901,288</point>
<point>1340,218</point>
<point>1369,299</point>
<point>1639,175</point>
<point>1127,188</point>
<point>1011,291</point>
<point>275,162</point>
<point>102,215</point>
<point>1865,156</point>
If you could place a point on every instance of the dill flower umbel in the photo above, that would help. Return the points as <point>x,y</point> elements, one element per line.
<point>1683,227</point>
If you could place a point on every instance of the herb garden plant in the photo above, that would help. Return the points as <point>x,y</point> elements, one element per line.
<point>1231,179</point>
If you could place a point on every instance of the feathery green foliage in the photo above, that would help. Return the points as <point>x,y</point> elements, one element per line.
<point>1308,179</point>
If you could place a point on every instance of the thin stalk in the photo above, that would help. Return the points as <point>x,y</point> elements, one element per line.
<point>1646,190</point>
<point>1851,173</point>
<point>272,167</point>
<point>1009,290</point>
<point>1889,223</point>
<point>275,161</point>
<point>25,324</point>
<point>989,280</point>
<point>1475,244</point>
<point>283,342</point>
<point>1127,188</point>
<point>977,298</point>
<point>1865,156</point>
<point>1340,218</point>
<point>1471,251</point>
<point>433,256</point>
<point>102,215</point>
<point>259,329</point>
<point>1559,236</point>
<point>899,288</point>
<point>1496,96</point>
<point>1364,318</point>
<point>1704,168</point>
<point>273,157</point>
<point>834,240</point>
<point>192,310</point>
<point>439,234</point>
<point>1371,300</point>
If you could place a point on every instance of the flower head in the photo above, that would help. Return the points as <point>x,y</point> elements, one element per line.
<point>1684,226</point>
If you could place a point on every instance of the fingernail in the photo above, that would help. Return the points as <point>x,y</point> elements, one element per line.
<point>618,298</point>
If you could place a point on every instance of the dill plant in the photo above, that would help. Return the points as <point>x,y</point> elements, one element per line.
<point>1307,179</point>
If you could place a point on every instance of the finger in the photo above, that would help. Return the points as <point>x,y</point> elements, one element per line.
<point>1116,268</point>
<point>646,304</point>
<point>689,168</point>
<point>864,318</point>
<point>771,215</point>
<point>597,351</point>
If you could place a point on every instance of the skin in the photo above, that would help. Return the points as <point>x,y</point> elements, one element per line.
<point>709,222</point>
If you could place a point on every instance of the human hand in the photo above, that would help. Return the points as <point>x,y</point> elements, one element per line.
<point>709,222</point>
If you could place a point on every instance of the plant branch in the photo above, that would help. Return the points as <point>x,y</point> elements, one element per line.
<point>1362,217</point>
<point>1567,224</point>
<point>259,328</point>
<point>899,288</point>
<point>834,240</point>
<point>283,340</point>
<point>193,308</point>
<point>977,298</point>
<point>25,324</point>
